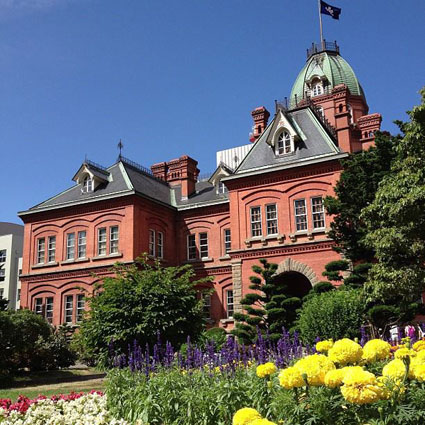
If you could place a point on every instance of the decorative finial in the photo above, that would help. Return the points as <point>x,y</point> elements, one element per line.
<point>120,146</point>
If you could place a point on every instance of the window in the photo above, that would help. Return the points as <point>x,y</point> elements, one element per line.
<point>256,229</point>
<point>321,111</point>
<point>49,309</point>
<point>206,308</point>
<point>191,247</point>
<point>350,110</point>
<point>318,212</point>
<point>300,215</point>
<point>68,308</point>
<point>160,245</point>
<point>283,145</point>
<point>82,244</point>
<point>40,250</point>
<point>2,275</point>
<point>203,244</point>
<point>70,246</point>
<point>51,249</point>
<point>18,297</point>
<point>38,306</point>
<point>317,88</point>
<point>152,242</point>
<point>271,219</point>
<point>113,240</point>
<point>101,241</point>
<point>227,240</point>
<point>2,255</point>
<point>229,303</point>
<point>87,185</point>
<point>80,307</point>
<point>221,188</point>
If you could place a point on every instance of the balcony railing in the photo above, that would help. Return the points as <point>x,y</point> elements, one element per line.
<point>325,46</point>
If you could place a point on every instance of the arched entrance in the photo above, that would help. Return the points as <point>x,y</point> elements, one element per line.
<point>296,283</point>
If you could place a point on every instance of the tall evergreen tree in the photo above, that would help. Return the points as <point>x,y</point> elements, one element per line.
<point>269,308</point>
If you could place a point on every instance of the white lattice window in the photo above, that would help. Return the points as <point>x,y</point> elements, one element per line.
<point>152,243</point>
<point>38,306</point>
<point>206,307</point>
<point>229,303</point>
<point>284,143</point>
<point>49,309</point>
<point>113,239</point>
<point>318,212</point>
<point>101,241</point>
<point>41,250</point>
<point>300,215</point>
<point>227,241</point>
<point>51,249</point>
<point>317,88</point>
<point>80,307</point>
<point>160,245</point>
<point>82,244</point>
<point>271,219</point>
<point>191,247</point>
<point>69,308</point>
<point>203,245</point>
<point>2,255</point>
<point>70,246</point>
<point>87,185</point>
<point>256,228</point>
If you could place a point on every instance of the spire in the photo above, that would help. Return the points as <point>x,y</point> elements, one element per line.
<point>120,146</point>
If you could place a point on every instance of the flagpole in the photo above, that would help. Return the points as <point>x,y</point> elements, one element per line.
<point>321,26</point>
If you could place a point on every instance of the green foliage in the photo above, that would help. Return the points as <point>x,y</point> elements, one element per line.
<point>218,335</point>
<point>396,218</point>
<point>333,269</point>
<point>28,341</point>
<point>356,188</point>
<point>267,310</point>
<point>3,304</point>
<point>139,302</point>
<point>334,314</point>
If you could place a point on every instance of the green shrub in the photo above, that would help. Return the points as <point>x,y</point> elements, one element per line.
<point>218,335</point>
<point>334,314</point>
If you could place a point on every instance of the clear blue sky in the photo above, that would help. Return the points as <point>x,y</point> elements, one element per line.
<point>174,77</point>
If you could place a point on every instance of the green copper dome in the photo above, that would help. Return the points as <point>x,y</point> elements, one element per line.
<point>331,68</point>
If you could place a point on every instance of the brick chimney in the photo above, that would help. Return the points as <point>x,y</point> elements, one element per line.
<point>260,116</point>
<point>367,125</point>
<point>182,172</point>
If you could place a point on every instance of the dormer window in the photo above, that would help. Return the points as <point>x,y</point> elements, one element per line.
<point>284,143</point>
<point>87,185</point>
<point>221,188</point>
<point>317,87</point>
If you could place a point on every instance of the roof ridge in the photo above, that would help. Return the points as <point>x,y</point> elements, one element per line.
<point>141,169</point>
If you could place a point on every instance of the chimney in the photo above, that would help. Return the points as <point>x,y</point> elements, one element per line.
<point>159,170</point>
<point>184,172</point>
<point>260,116</point>
<point>367,125</point>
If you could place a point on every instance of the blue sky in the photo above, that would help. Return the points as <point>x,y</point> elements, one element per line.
<point>174,77</point>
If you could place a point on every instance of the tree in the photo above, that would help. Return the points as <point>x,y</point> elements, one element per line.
<point>396,219</point>
<point>136,304</point>
<point>356,188</point>
<point>268,309</point>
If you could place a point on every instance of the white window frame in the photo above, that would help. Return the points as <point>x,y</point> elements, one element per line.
<point>270,221</point>
<point>114,237</point>
<point>49,309</point>
<point>203,245</point>
<point>80,308</point>
<point>101,241</point>
<point>151,242</point>
<point>296,215</point>
<point>38,306</point>
<point>70,246</point>
<point>3,255</point>
<point>192,251</point>
<point>256,231</point>
<point>82,244</point>
<point>206,308</point>
<point>230,297</point>
<point>51,249</point>
<point>221,188</point>
<point>41,250</point>
<point>317,88</point>
<point>68,309</point>
<point>88,185</point>
<point>160,245</point>
<point>315,214</point>
<point>284,143</point>
<point>2,275</point>
<point>227,236</point>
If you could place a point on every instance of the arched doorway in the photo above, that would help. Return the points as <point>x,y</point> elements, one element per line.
<point>297,284</point>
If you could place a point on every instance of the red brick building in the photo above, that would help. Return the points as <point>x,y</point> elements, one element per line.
<point>265,200</point>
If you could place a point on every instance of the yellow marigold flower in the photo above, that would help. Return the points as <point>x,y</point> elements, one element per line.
<point>334,378</point>
<point>403,353</point>
<point>261,422</point>
<point>291,378</point>
<point>395,369</point>
<point>345,351</point>
<point>266,369</point>
<point>324,346</point>
<point>358,376</point>
<point>361,387</point>
<point>420,356</point>
<point>418,372</point>
<point>419,345</point>
<point>245,416</point>
<point>376,349</point>
<point>315,368</point>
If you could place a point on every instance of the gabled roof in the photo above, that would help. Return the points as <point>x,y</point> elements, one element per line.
<point>94,170</point>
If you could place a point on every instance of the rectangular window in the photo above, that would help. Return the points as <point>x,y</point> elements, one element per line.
<point>51,249</point>
<point>229,303</point>
<point>160,245</point>
<point>203,244</point>
<point>69,308</point>
<point>113,240</point>
<point>206,308</point>
<point>256,229</point>
<point>38,306</point>
<point>152,242</point>
<point>70,246</point>
<point>18,297</point>
<point>300,215</point>
<point>82,244</point>
<point>318,212</point>
<point>40,250</point>
<point>2,255</point>
<point>271,219</point>
<point>227,241</point>
<point>101,241</point>
<point>191,247</point>
<point>2,275</point>
<point>49,309</point>
<point>80,307</point>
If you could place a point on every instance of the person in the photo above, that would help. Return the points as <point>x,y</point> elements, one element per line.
<point>410,331</point>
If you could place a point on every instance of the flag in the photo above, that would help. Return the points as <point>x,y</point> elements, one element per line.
<point>327,9</point>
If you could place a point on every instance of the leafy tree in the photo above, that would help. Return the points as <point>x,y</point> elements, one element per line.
<point>268,309</point>
<point>136,304</point>
<point>356,188</point>
<point>396,219</point>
